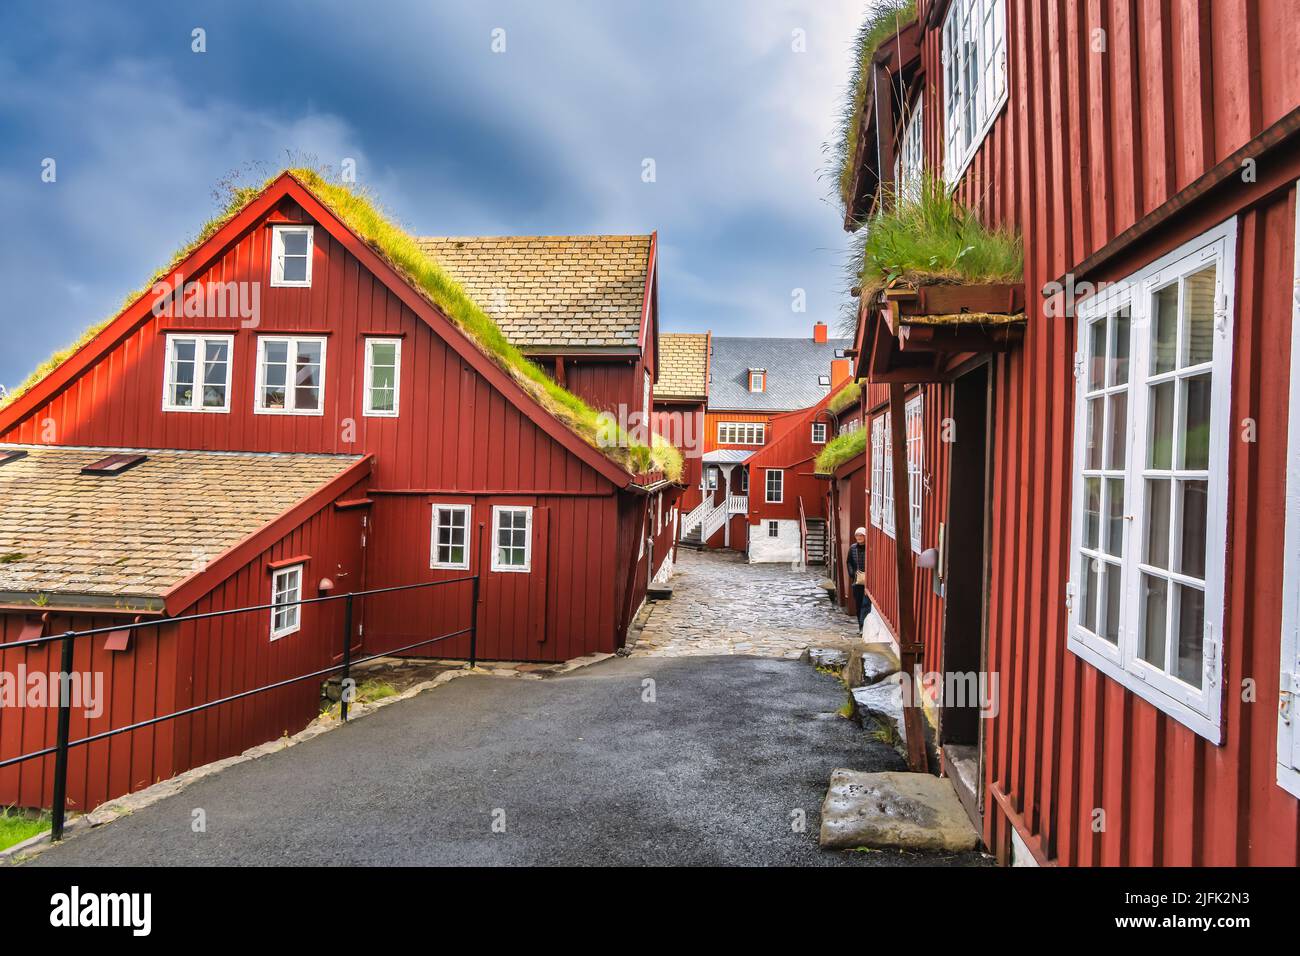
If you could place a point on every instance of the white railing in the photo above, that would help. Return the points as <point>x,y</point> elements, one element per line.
<point>714,520</point>
<point>695,517</point>
<point>738,505</point>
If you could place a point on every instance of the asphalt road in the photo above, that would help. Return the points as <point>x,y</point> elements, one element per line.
<point>578,769</point>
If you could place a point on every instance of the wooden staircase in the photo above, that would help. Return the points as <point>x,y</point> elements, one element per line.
<point>816,544</point>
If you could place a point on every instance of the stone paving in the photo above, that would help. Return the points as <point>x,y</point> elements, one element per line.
<point>721,604</point>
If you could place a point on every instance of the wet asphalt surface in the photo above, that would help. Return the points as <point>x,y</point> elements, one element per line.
<point>570,770</point>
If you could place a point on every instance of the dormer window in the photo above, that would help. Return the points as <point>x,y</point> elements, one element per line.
<point>291,256</point>
<point>757,380</point>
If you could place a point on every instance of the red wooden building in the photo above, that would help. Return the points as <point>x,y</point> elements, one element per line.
<point>1107,488</point>
<point>376,439</point>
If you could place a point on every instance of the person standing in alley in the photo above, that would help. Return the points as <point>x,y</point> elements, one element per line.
<point>857,565</point>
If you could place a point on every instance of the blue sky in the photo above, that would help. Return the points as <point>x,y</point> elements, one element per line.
<point>548,136</point>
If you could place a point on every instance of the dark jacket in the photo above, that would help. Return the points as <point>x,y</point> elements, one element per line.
<point>857,560</point>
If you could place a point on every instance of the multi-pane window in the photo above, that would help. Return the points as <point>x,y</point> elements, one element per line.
<point>451,536</point>
<point>878,429</point>
<point>775,487</point>
<point>911,156</point>
<point>197,376</point>
<point>773,529</point>
<point>974,77</point>
<point>512,529</point>
<point>286,592</point>
<point>1151,416</point>
<point>757,380</point>
<point>915,467</point>
<point>383,375</point>
<point>819,433</point>
<point>291,255</point>
<point>740,433</point>
<point>290,375</point>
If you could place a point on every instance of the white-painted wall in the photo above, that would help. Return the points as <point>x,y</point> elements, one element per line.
<point>785,548</point>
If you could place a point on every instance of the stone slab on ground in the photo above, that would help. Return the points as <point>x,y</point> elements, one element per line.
<point>891,810</point>
<point>831,657</point>
<point>882,701</point>
<point>869,665</point>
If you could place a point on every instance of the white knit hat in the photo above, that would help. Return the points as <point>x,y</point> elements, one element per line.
<point>860,531</point>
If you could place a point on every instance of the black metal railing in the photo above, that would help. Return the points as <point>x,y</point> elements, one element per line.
<point>69,638</point>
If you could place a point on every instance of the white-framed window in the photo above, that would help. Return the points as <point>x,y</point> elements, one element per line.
<point>1149,514</point>
<point>512,538</point>
<point>645,398</point>
<point>878,430</point>
<point>910,164</point>
<point>775,486</point>
<point>291,256</point>
<point>974,78</point>
<point>757,380</point>
<point>773,529</point>
<point>741,433</point>
<point>290,375</point>
<point>915,467</point>
<point>711,478</point>
<point>450,545</point>
<point>383,377</point>
<point>286,592</point>
<point>1288,734</point>
<point>197,374</point>
<point>819,433</point>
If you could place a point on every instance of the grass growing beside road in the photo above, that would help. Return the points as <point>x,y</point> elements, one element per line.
<point>16,826</point>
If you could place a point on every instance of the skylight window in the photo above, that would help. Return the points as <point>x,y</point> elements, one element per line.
<point>113,464</point>
<point>12,455</point>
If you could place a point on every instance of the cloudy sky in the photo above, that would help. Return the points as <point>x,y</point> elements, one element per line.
<point>548,136</point>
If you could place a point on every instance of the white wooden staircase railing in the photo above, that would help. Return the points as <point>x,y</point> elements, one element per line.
<point>714,520</point>
<point>695,517</point>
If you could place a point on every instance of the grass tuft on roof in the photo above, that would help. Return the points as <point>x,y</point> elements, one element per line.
<point>885,18</point>
<point>931,238</point>
<point>846,396</point>
<point>843,447</point>
<point>362,214</point>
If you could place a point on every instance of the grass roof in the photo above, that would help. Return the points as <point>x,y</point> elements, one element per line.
<point>845,397</point>
<point>930,238</point>
<point>843,447</point>
<point>884,19</point>
<point>363,215</point>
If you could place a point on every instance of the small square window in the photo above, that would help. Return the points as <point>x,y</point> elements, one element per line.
<point>286,593</point>
<point>290,376</point>
<point>291,248</point>
<point>773,529</point>
<point>512,532</point>
<point>197,375</point>
<point>775,486</point>
<point>451,536</point>
<point>819,433</point>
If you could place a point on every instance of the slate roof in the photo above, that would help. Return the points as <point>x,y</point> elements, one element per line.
<point>553,291</point>
<point>793,367</point>
<point>134,535</point>
<point>683,366</point>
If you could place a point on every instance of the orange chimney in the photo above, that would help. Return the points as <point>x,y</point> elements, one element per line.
<point>839,372</point>
<point>819,333</point>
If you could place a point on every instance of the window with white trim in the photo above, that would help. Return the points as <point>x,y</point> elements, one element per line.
<point>197,375</point>
<point>290,375</point>
<point>741,433</point>
<point>773,529</point>
<point>819,433</point>
<point>1288,719</point>
<point>775,486</point>
<point>512,538</point>
<point>711,478</point>
<point>910,164</point>
<point>877,468</point>
<point>291,256</point>
<point>451,537</point>
<point>757,380</point>
<point>286,592</point>
<point>974,78</point>
<point>1150,506</point>
<point>383,377</point>
<point>915,467</point>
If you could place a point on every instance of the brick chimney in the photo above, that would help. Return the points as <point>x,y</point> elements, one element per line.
<point>839,372</point>
<point>819,333</point>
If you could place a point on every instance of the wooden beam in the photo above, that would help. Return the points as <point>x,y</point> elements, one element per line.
<point>909,651</point>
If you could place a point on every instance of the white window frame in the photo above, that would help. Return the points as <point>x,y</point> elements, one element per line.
<point>200,381</point>
<point>497,511</point>
<point>278,233</point>
<point>780,486</point>
<point>761,376</point>
<point>712,477</point>
<point>909,166</point>
<point>367,408</point>
<point>774,529</point>
<point>1199,709</point>
<point>438,509</point>
<point>877,469</point>
<point>293,608</point>
<point>741,433</point>
<point>1288,735</point>
<point>915,434</point>
<point>969,112</point>
<point>289,388</point>
<point>819,433</point>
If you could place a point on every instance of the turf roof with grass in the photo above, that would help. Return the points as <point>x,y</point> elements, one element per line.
<point>361,213</point>
<point>843,447</point>
<point>846,396</point>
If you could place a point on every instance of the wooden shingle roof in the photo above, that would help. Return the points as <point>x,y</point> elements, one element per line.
<point>129,537</point>
<point>683,366</point>
<point>553,292</point>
